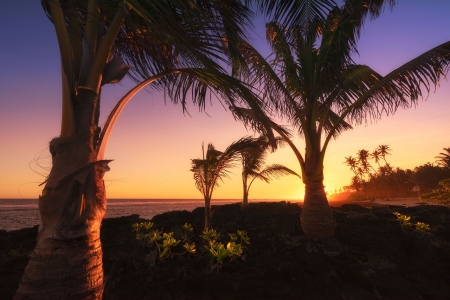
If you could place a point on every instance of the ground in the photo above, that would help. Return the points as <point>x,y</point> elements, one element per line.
<point>376,257</point>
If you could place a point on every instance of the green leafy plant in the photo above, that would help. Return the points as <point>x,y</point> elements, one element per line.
<point>164,242</point>
<point>220,252</point>
<point>405,221</point>
<point>422,228</point>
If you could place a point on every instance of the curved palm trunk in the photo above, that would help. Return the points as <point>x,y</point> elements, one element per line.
<point>67,260</point>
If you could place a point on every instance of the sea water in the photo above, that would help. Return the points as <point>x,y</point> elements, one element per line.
<point>22,213</point>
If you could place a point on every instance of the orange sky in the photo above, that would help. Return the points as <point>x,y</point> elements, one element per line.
<point>152,143</point>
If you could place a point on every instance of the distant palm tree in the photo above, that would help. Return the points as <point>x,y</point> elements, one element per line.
<point>314,84</point>
<point>253,165</point>
<point>375,154</point>
<point>353,164</point>
<point>213,167</point>
<point>383,151</point>
<point>363,159</point>
<point>444,158</point>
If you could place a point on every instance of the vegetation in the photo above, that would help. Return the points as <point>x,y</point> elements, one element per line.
<point>219,252</point>
<point>440,195</point>
<point>213,167</point>
<point>418,228</point>
<point>387,182</point>
<point>252,160</point>
<point>164,242</point>
<point>444,158</point>
<point>315,85</point>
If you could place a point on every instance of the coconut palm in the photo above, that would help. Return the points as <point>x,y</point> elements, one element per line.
<point>353,164</point>
<point>170,44</point>
<point>444,158</point>
<point>252,160</point>
<point>383,151</point>
<point>213,167</point>
<point>317,87</point>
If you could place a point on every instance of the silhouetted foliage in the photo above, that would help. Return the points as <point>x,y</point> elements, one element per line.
<point>389,182</point>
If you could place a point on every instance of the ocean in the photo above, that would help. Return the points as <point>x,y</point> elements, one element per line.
<point>22,213</point>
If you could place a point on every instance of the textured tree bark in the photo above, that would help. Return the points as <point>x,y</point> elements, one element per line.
<point>316,218</point>
<point>67,260</point>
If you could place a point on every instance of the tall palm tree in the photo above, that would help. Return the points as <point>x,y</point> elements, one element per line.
<point>170,44</point>
<point>252,160</point>
<point>213,167</point>
<point>444,158</point>
<point>316,86</point>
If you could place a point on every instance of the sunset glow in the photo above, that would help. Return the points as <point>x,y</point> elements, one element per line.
<point>152,142</point>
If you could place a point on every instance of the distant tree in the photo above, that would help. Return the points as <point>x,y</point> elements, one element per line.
<point>253,159</point>
<point>440,195</point>
<point>383,150</point>
<point>213,167</point>
<point>444,158</point>
<point>427,176</point>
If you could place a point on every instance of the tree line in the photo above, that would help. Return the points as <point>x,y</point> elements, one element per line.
<point>375,177</point>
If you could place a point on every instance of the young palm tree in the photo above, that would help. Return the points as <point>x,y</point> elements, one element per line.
<point>252,160</point>
<point>318,88</point>
<point>171,44</point>
<point>213,167</point>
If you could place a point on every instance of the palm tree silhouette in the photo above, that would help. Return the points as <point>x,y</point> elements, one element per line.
<point>214,167</point>
<point>252,160</point>
<point>315,85</point>
<point>444,158</point>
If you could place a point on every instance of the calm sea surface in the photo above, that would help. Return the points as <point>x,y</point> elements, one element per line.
<point>21,213</point>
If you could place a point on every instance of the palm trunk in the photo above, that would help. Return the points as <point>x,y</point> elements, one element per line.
<point>208,213</point>
<point>316,218</point>
<point>245,188</point>
<point>67,260</point>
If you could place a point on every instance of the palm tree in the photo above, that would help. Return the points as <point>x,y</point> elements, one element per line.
<point>213,167</point>
<point>252,160</point>
<point>315,85</point>
<point>444,158</point>
<point>383,151</point>
<point>363,159</point>
<point>170,44</point>
<point>353,164</point>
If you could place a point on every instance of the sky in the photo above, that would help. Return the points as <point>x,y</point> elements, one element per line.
<point>153,142</point>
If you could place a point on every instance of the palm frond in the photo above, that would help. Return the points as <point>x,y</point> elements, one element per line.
<point>275,171</point>
<point>296,12</point>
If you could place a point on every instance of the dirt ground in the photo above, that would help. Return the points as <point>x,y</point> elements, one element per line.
<point>376,258</point>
